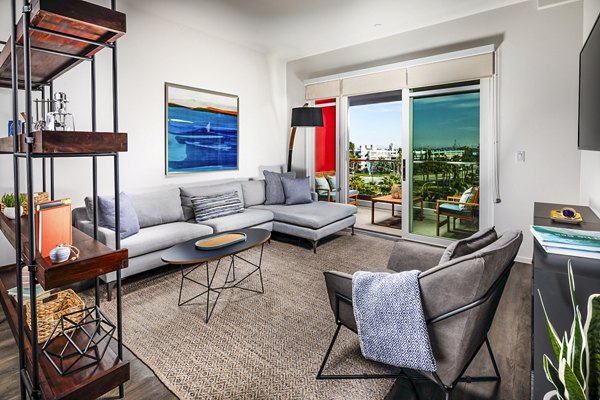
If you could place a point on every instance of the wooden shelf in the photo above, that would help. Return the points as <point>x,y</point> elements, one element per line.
<point>95,259</point>
<point>73,17</point>
<point>89,383</point>
<point>74,142</point>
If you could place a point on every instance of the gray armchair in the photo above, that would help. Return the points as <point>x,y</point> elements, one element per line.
<point>461,287</point>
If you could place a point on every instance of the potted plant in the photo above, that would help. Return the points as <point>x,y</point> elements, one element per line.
<point>8,200</point>
<point>577,374</point>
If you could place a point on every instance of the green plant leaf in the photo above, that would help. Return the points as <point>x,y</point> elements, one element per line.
<point>578,349</point>
<point>574,391</point>
<point>554,340</point>
<point>554,377</point>
<point>592,330</point>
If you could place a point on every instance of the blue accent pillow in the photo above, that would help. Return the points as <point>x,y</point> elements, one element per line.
<point>130,225</point>
<point>297,191</point>
<point>274,190</point>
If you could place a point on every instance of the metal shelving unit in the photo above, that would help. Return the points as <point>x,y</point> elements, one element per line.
<point>51,37</point>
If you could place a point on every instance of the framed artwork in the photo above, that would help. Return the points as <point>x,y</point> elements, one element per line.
<point>201,130</point>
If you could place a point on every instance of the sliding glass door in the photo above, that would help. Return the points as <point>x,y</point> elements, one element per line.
<point>444,181</point>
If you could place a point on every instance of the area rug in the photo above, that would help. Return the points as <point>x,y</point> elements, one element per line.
<point>255,346</point>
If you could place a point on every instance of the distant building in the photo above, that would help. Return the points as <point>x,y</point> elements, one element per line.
<point>372,152</point>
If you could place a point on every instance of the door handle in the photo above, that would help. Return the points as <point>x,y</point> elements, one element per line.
<point>404,170</point>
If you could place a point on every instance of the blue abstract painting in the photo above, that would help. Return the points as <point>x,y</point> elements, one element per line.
<point>201,130</point>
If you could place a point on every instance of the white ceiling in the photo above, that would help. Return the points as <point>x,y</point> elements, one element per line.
<point>293,29</point>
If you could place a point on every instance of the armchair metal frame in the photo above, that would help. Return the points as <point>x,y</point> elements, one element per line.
<point>497,289</point>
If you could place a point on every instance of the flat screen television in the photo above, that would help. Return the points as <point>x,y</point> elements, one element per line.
<point>589,92</point>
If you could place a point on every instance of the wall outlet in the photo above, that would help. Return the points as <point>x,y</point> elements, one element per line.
<point>520,156</point>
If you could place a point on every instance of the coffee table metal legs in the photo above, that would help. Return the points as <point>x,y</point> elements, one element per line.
<point>208,286</point>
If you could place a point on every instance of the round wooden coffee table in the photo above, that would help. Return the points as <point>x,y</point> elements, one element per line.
<point>186,255</point>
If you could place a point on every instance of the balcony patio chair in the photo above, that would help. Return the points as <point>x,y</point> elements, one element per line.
<point>464,207</point>
<point>325,186</point>
<point>460,291</point>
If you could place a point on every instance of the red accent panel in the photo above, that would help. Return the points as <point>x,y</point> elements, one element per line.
<point>325,141</point>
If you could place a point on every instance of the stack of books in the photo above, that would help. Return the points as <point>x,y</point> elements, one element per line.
<point>569,242</point>
<point>53,225</point>
<point>39,291</point>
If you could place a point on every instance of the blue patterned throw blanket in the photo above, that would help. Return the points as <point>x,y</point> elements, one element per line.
<point>390,320</point>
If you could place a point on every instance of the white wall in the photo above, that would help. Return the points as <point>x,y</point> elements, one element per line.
<point>153,52</point>
<point>538,85</point>
<point>590,160</point>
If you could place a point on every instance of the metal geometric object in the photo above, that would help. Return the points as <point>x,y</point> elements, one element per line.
<point>79,342</point>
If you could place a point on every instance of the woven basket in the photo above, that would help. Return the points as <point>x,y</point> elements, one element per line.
<point>38,197</point>
<point>50,310</point>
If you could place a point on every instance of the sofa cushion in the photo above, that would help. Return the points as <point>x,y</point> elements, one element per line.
<point>469,245</point>
<point>157,208</point>
<point>249,218</point>
<point>274,189</point>
<point>312,215</point>
<point>129,224</point>
<point>254,192</point>
<point>296,190</point>
<point>215,206</point>
<point>152,208</point>
<point>159,237</point>
<point>206,190</point>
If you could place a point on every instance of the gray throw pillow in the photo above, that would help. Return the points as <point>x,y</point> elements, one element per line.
<point>215,206</point>
<point>469,245</point>
<point>297,191</point>
<point>130,225</point>
<point>274,189</point>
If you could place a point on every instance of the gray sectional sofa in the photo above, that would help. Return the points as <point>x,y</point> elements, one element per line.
<point>166,218</point>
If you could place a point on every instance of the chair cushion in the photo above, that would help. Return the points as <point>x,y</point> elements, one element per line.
<point>215,206</point>
<point>351,192</point>
<point>254,192</point>
<point>453,208</point>
<point>274,189</point>
<point>159,237</point>
<point>129,223</point>
<point>332,182</point>
<point>206,190</point>
<point>467,197</point>
<point>296,190</point>
<point>250,217</point>
<point>312,215</point>
<point>469,245</point>
<point>321,184</point>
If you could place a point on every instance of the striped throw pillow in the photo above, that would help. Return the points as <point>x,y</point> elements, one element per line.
<point>215,206</point>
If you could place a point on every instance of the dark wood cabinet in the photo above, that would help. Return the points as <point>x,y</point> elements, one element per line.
<point>551,280</point>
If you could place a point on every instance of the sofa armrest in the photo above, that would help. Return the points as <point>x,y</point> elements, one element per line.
<point>339,290</point>
<point>105,235</point>
<point>408,255</point>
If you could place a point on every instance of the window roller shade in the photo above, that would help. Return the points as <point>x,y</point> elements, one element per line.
<point>322,90</point>
<point>374,83</point>
<point>450,71</point>
<point>417,76</point>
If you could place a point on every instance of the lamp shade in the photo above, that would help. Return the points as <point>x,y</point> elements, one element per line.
<point>307,116</point>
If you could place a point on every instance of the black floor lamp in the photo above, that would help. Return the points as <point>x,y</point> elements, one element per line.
<point>304,116</point>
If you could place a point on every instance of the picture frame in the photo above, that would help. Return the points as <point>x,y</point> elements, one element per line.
<point>201,130</point>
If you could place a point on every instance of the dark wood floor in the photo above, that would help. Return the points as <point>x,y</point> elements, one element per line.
<point>510,338</point>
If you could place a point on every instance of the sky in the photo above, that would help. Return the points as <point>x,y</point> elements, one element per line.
<point>438,121</point>
<point>378,124</point>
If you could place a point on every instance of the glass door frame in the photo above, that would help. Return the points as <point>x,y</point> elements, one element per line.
<point>486,158</point>
<point>342,176</point>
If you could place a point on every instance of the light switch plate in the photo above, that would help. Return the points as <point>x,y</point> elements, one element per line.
<point>520,156</point>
